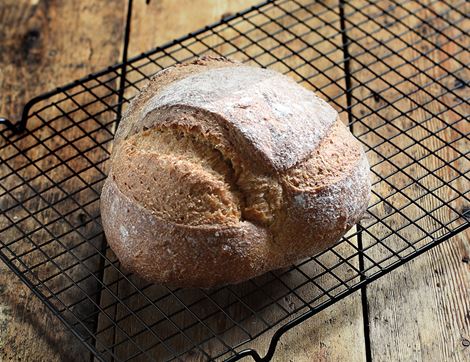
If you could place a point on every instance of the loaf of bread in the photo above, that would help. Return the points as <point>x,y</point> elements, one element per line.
<point>221,172</point>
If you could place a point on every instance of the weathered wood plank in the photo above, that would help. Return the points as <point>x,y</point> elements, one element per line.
<point>43,45</point>
<point>421,311</point>
<point>335,334</point>
<point>165,20</point>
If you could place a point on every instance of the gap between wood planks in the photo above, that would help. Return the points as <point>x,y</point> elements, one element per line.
<point>346,57</point>
<point>324,348</point>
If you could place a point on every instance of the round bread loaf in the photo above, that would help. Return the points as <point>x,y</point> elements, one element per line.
<point>221,172</point>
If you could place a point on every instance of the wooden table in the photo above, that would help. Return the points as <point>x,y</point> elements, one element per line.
<point>419,312</point>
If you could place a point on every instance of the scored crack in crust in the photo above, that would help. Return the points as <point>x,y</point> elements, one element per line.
<point>188,182</point>
<point>193,182</point>
<point>193,179</point>
<point>335,156</point>
<point>213,184</point>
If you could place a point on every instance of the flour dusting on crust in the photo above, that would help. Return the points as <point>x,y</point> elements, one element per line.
<point>299,177</point>
<point>280,120</point>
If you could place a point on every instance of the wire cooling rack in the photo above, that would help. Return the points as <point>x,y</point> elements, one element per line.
<point>398,73</point>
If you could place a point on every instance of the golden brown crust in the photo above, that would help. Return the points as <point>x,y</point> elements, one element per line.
<point>181,179</point>
<point>181,255</point>
<point>203,192</point>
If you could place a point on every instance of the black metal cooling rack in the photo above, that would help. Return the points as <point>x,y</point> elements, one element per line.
<point>397,70</point>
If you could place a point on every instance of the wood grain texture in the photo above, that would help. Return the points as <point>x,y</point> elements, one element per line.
<point>420,312</point>
<point>45,44</point>
<point>335,334</point>
<point>164,20</point>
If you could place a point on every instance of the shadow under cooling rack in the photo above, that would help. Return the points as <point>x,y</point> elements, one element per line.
<point>396,75</point>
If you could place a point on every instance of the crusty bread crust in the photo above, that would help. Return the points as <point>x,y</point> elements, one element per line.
<point>221,172</point>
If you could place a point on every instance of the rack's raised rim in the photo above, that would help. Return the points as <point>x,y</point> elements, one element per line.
<point>21,125</point>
